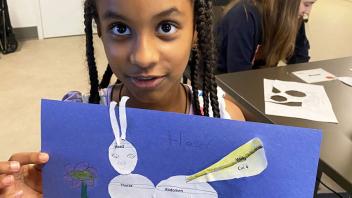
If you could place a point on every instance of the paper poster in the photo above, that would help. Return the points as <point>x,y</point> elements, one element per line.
<point>160,153</point>
<point>314,75</point>
<point>297,100</point>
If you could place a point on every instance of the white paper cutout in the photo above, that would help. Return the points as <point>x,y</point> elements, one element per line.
<point>346,80</point>
<point>246,161</point>
<point>122,117</point>
<point>177,187</point>
<point>114,124</point>
<point>123,158</point>
<point>131,186</point>
<point>314,104</point>
<point>314,75</point>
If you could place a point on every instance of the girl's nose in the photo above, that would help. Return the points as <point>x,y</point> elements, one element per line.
<point>144,53</point>
<point>307,11</point>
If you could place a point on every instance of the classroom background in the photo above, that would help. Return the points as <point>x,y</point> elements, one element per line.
<point>47,66</point>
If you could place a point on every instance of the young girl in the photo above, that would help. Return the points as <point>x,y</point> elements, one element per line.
<point>148,45</point>
<point>260,33</point>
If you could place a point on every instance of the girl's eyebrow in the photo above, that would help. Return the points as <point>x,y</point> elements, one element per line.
<point>168,12</point>
<point>109,14</point>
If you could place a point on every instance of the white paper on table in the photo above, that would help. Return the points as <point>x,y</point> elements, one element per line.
<point>314,75</point>
<point>346,80</point>
<point>308,101</point>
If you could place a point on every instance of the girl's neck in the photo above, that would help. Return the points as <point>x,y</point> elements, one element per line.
<point>176,101</point>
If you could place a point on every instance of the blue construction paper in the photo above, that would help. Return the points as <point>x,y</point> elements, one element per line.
<point>169,144</point>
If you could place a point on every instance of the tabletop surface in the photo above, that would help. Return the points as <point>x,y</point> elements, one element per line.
<point>247,90</point>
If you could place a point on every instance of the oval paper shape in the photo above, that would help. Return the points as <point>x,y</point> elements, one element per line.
<point>123,158</point>
<point>177,187</point>
<point>132,186</point>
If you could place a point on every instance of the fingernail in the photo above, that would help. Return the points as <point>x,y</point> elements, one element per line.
<point>43,157</point>
<point>14,166</point>
<point>19,194</point>
<point>8,180</point>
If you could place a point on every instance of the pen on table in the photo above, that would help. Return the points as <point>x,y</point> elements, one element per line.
<point>313,74</point>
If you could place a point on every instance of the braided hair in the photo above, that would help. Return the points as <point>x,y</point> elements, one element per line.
<point>202,61</point>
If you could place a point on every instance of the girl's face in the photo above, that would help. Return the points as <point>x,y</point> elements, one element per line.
<point>147,43</point>
<point>305,7</point>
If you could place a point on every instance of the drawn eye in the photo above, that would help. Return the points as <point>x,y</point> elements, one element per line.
<point>131,156</point>
<point>114,155</point>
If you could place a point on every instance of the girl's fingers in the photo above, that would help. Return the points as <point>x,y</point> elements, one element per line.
<point>6,181</point>
<point>30,158</point>
<point>16,194</point>
<point>9,167</point>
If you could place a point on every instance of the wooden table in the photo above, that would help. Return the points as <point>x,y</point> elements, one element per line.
<point>247,90</point>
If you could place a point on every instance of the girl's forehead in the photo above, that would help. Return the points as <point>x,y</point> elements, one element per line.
<point>142,7</point>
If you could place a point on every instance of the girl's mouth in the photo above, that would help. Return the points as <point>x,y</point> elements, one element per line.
<point>147,82</point>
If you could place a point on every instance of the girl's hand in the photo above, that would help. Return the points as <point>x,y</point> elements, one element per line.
<point>21,175</point>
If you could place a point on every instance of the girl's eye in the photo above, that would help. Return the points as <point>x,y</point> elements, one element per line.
<point>121,30</point>
<point>307,4</point>
<point>167,28</point>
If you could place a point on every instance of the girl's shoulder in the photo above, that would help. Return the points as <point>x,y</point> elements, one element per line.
<point>243,9</point>
<point>76,96</point>
<point>244,16</point>
<point>228,109</point>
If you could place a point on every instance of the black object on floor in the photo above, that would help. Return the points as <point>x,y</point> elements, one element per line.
<point>8,42</point>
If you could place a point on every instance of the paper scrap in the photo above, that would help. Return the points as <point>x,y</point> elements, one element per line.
<point>246,161</point>
<point>346,80</point>
<point>314,75</point>
<point>123,158</point>
<point>298,100</point>
<point>178,187</point>
<point>132,186</point>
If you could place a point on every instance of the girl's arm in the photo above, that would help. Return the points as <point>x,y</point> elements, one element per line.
<point>234,111</point>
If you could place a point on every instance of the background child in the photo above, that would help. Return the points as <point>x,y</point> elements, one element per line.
<point>260,33</point>
<point>148,45</point>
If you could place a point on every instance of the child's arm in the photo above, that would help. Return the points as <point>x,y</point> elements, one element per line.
<point>21,175</point>
<point>234,111</point>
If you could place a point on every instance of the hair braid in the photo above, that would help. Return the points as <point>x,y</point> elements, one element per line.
<point>194,65</point>
<point>89,13</point>
<point>203,11</point>
<point>106,78</point>
<point>200,9</point>
<point>212,63</point>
